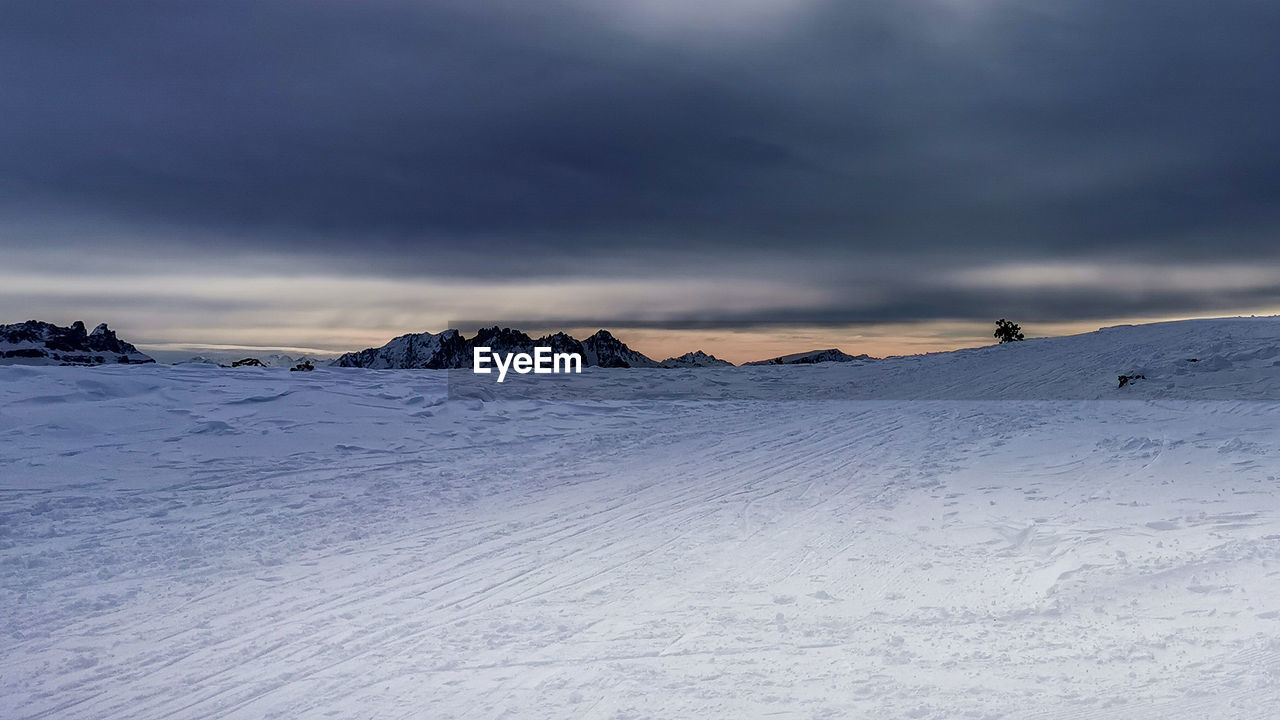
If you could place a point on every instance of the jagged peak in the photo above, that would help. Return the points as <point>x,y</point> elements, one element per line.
<point>697,358</point>
<point>450,349</point>
<point>37,342</point>
<point>505,333</point>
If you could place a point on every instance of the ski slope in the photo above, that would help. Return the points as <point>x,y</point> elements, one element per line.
<point>991,533</point>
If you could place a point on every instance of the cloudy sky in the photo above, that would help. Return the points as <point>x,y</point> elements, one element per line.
<point>744,176</point>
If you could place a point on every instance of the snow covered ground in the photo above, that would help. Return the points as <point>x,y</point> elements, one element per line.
<point>992,533</point>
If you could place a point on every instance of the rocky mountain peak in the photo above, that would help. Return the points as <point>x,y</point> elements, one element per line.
<point>693,359</point>
<point>604,350</point>
<point>449,349</point>
<point>415,350</point>
<point>41,343</point>
<point>501,340</point>
<point>563,343</point>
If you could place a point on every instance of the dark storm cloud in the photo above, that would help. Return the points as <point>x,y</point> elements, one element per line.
<point>560,138</point>
<point>926,303</point>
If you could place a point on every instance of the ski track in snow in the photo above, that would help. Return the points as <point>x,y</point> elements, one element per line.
<point>182,542</point>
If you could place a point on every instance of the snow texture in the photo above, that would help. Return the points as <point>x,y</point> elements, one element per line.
<point>198,542</point>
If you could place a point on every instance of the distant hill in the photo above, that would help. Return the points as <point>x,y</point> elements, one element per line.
<point>41,343</point>
<point>812,357</point>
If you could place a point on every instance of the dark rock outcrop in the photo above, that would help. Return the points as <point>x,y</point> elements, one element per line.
<point>562,343</point>
<point>695,359</point>
<point>501,341</point>
<point>449,350</point>
<point>41,343</point>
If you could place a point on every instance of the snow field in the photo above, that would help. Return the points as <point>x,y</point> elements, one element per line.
<point>194,542</point>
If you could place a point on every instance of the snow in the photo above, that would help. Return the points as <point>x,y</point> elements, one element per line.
<point>991,533</point>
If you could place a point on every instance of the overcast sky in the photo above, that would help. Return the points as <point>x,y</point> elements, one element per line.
<point>329,174</point>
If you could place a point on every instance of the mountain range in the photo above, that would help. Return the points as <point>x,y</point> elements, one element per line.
<point>273,360</point>
<point>449,349</point>
<point>41,343</point>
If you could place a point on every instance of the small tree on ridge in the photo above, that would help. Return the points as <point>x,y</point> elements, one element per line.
<point>1008,331</point>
